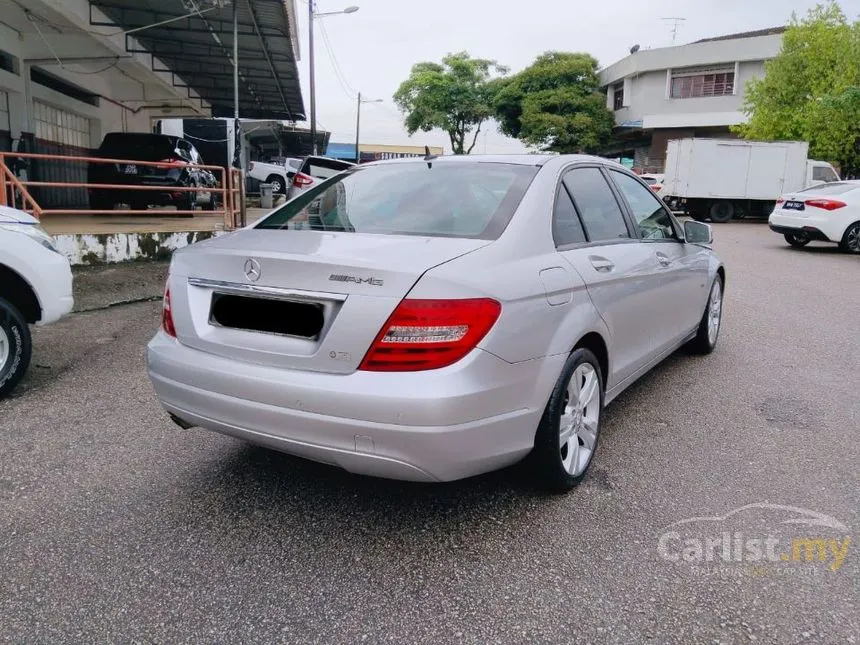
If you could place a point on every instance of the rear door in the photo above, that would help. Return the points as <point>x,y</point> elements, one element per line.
<point>681,269</point>
<point>618,269</point>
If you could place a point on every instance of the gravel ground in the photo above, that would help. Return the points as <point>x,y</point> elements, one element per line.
<point>116,526</point>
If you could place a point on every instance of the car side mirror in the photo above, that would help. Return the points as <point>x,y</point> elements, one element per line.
<point>698,233</point>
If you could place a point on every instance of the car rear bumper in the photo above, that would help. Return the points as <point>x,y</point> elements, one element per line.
<point>473,417</point>
<point>814,227</point>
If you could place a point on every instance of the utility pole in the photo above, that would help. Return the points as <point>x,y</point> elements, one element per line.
<point>358,123</point>
<point>236,163</point>
<point>312,76</point>
<point>357,128</point>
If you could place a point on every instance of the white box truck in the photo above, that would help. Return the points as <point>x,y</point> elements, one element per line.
<point>722,179</point>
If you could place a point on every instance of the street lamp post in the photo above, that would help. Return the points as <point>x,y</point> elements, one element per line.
<point>358,123</point>
<point>312,15</point>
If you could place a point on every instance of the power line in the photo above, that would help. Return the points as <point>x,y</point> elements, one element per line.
<point>338,71</point>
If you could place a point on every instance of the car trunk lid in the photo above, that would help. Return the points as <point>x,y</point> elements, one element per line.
<point>305,299</point>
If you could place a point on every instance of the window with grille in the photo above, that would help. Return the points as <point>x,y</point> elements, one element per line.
<point>5,124</point>
<point>618,97</point>
<point>60,126</point>
<point>687,85</point>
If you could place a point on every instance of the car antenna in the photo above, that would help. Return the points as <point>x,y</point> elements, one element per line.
<point>428,157</point>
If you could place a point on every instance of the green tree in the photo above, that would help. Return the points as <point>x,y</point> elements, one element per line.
<point>454,96</point>
<point>555,104</point>
<point>811,90</point>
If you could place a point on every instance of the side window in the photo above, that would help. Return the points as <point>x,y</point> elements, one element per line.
<point>823,173</point>
<point>596,204</point>
<point>566,227</point>
<point>653,220</point>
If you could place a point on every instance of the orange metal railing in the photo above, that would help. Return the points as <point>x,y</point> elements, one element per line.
<point>231,187</point>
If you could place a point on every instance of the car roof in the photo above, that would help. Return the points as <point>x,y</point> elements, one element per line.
<point>518,159</point>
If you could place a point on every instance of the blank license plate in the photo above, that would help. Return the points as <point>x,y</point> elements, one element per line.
<point>793,206</point>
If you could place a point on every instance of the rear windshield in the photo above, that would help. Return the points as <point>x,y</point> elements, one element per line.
<point>835,188</point>
<point>143,147</point>
<point>462,199</point>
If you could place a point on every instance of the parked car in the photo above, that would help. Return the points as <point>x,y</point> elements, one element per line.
<point>435,319</point>
<point>316,169</point>
<point>35,289</point>
<point>655,181</point>
<point>825,213</point>
<point>278,172</point>
<point>139,146</point>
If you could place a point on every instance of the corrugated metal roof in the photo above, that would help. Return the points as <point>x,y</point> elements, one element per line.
<point>198,50</point>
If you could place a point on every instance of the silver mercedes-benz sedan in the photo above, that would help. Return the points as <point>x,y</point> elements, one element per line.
<point>431,319</point>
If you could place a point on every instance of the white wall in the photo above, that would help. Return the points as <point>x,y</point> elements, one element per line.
<point>648,98</point>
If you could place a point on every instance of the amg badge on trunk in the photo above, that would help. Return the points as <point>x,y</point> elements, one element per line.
<point>336,277</point>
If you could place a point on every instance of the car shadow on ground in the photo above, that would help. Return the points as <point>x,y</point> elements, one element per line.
<point>249,479</point>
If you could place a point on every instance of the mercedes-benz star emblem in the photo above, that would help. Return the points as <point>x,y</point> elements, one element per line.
<point>252,270</point>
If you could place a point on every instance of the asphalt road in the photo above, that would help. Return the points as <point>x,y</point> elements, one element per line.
<point>116,526</point>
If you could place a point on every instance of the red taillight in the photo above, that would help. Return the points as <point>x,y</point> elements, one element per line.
<point>826,204</point>
<point>301,180</point>
<point>429,334</point>
<point>780,201</point>
<point>167,315</point>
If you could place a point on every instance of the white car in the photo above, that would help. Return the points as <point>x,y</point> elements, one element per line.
<point>825,212</point>
<point>277,172</point>
<point>35,288</point>
<point>316,169</point>
<point>655,181</point>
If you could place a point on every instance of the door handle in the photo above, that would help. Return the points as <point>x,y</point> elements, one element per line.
<point>663,259</point>
<point>601,264</point>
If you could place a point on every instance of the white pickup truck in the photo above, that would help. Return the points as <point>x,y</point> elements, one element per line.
<point>277,172</point>
<point>35,289</point>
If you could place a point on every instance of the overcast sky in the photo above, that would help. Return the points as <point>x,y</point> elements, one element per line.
<point>376,46</point>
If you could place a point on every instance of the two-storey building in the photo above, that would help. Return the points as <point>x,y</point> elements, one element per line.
<point>682,91</point>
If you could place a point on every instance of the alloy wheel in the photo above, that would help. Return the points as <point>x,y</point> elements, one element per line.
<point>715,311</point>
<point>5,349</point>
<point>578,425</point>
<point>852,239</point>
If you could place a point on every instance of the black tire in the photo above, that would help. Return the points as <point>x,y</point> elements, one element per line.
<point>101,202</point>
<point>796,240</point>
<point>15,338</point>
<point>279,186</point>
<point>546,459</point>
<point>721,211</point>
<point>212,203</point>
<point>702,343</point>
<point>850,241</point>
<point>187,202</point>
